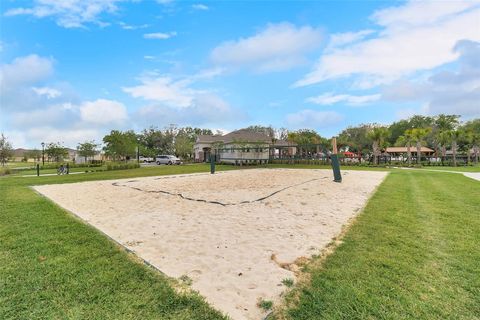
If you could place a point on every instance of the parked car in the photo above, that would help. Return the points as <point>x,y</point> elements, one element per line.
<point>167,159</point>
<point>146,159</point>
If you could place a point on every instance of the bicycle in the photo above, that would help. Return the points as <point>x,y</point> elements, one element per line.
<point>62,170</point>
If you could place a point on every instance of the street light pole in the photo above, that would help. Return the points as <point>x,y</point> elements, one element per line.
<point>43,153</point>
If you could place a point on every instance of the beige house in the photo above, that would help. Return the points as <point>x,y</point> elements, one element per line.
<point>237,147</point>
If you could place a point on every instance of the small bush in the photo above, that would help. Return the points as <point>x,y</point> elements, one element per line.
<point>124,166</point>
<point>5,171</point>
<point>288,282</point>
<point>265,304</point>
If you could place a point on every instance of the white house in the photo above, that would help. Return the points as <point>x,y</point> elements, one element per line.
<point>237,147</point>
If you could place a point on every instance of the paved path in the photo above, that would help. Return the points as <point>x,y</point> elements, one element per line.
<point>49,174</point>
<point>473,175</point>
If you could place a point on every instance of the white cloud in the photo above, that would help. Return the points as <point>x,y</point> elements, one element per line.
<point>176,101</point>
<point>159,35</point>
<point>50,93</point>
<point>337,40</point>
<point>126,26</point>
<point>68,136</point>
<point>308,118</point>
<point>419,13</point>
<point>206,109</point>
<point>200,7</point>
<point>164,89</point>
<point>452,91</point>
<point>19,76</point>
<point>56,115</point>
<point>418,35</point>
<point>23,71</point>
<point>330,98</point>
<point>103,112</point>
<point>68,14</point>
<point>277,47</point>
<point>208,73</point>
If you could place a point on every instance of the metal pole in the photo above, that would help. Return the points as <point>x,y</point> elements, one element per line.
<point>212,163</point>
<point>38,170</point>
<point>43,153</point>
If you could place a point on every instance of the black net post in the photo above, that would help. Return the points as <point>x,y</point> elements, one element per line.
<point>337,176</point>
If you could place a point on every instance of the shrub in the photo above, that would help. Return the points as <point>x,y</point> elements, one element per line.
<point>265,304</point>
<point>5,171</point>
<point>122,166</point>
<point>288,282</point>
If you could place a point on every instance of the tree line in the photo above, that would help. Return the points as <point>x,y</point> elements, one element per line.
<point>440,133</point>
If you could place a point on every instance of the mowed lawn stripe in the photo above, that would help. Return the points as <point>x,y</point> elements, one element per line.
<point>412,254</point>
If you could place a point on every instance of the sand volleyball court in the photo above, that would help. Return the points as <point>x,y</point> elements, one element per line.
<point>221,230</point>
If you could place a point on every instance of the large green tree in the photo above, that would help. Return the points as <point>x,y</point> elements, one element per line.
<point>87,149</point>
<point>56,151</point>
<point>6,150</point>
<point>398,128</point>
<point>120,144</point>
<point>355,139</point>
<point>308,141</point>
<point>170,140</point>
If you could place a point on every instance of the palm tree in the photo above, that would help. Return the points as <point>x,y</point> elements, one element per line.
<point>406,140</point>
<point>418,135</point>
<point>377,135</point>
<point>476,146</point>
<point>442,127</point>
<point>468,137</point>
<point>443,138</point>
<point>455,135</point>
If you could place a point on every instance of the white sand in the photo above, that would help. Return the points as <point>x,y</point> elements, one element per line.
<point>225,249</point>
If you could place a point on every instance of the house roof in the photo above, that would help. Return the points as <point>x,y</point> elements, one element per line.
<point>404,149</point>
<point>208,138</point>
<point>243,135</point>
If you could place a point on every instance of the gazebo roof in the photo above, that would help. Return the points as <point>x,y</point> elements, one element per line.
<point>404,149</point>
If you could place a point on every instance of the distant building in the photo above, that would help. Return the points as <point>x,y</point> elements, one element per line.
<point>238,147</point>
<point>78,159</point>
<point>399,153</point>
<point>396,151</point>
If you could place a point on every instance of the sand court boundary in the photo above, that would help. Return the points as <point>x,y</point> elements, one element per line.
<point>222,230</point>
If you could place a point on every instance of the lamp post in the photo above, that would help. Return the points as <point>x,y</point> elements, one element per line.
<point>43,153</point>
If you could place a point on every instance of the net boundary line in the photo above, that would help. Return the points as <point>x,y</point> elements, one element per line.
<point>118,184</point>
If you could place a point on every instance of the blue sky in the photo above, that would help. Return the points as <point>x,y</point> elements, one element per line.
<point>73,70</point>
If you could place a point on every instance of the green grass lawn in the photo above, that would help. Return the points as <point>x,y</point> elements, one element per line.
<point>52,266</point>
<point>413,253</point>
